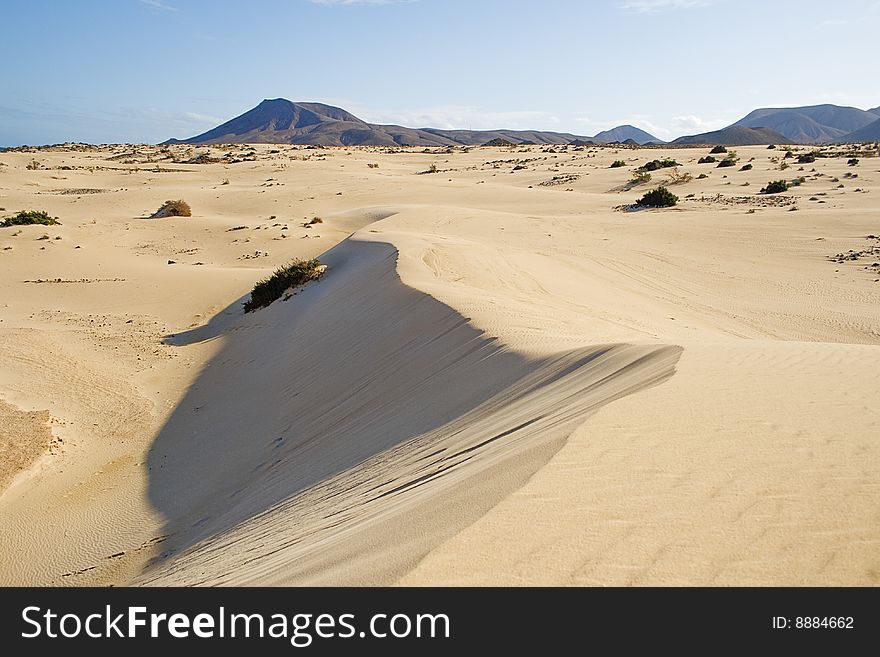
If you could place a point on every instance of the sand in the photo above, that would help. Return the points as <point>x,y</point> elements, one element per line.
<point>503,377</point>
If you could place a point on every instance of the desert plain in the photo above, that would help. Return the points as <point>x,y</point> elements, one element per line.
<point>506,376</point>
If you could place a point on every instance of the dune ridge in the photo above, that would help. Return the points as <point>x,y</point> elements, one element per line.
<point>416,426</point>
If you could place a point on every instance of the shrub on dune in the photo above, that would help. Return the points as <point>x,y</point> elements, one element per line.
<point>658,198</point>
<point>617,164</point>
<point>718,149</point>
<point>775,187</point>
<point>284,278</point>
<point>30,217</point>
<point>177,208</point>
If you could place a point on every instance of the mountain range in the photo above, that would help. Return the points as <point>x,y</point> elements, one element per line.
<point>280,121</point>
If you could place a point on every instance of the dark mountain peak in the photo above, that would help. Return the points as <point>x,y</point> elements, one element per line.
<point>875,110</point>
<point>624,133</point>
<point>735,135</point>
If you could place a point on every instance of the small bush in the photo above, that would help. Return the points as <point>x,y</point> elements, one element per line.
<point>315,220</point>
<point>30,217</point>
<point>658,198</point>
<point>806,158</point>
<point>706,160</point>
<point>177,208</point>
<point>718,149</point>
<point>270,289</point>
<point>639,178</point>
<point>372,165</point>
<point>853,162</point>
<point>617,164</point>
<point>677,177</point>
<point>746,167</point>
<point>702,176</point>
<point>33,165</point>
<point>727,162</point>
<point>653,165</point>
<point>797,182</point>
<point>771,147</point>
<point>775,187</point>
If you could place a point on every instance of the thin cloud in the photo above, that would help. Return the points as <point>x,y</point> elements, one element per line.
<point>454,117</point>
<point>655,6</point>
<point>158,4</point>
<point>345,3</point>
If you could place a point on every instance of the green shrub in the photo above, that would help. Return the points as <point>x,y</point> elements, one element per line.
<point>658,198</point>
<point>706,160</point>
<point>746,167</point>
<point>775,187</point>
<point>718,149</point>
<point>296,273</point>
<point>176,208</point>
<point>727,162</point>
<point>806,158</point>
<point>617,164</point>
<point>29,217</point>
<point>653,165</point>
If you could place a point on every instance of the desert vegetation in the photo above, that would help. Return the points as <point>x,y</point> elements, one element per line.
<point>658,198</point>
<point>617,164</point>
<point>30,217</point>
<point>296,273</point>
<point>718,149</point>
<point>178,208</point>
<point>775,187</point>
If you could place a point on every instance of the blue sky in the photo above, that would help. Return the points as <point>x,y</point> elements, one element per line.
<point>146,70</point>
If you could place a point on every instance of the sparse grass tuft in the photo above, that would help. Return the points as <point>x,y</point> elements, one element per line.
<point>372,165</point>
<point>296,273</point>
<point>30,217</point>
<point>658,198</point>
<point>617,164</point>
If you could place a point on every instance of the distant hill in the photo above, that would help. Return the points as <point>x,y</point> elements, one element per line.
<point>280,121</point>
<point>875,110</point>
<point>810,124</point>
<point>734,135</point>
<point>870,132</point>
<point>623,133</point>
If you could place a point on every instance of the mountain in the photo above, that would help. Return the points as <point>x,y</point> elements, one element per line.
<point>280,121</point>
<point>623,133</point>
<point>735,135</point>
<point>870,132</point>
<point>875,110</point>
<point>810,124</point>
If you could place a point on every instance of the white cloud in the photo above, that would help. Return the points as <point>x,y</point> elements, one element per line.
<point>654,6</point>
<point>157,4</point>
<point>461,117</point>
<point>202,118</point>
<point>691,123</point>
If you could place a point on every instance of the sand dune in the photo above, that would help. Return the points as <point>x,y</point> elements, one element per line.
<point>498,381</point>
